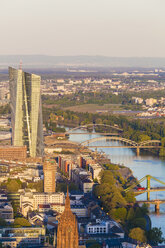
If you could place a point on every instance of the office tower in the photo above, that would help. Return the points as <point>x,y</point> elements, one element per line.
<point>26,111</point>
<point>67,233</point>
<point>49,169</point>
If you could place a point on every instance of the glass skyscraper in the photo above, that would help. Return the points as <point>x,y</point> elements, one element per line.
<point>26,111</point>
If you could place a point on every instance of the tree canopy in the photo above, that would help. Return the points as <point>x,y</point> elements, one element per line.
<point>21,222</point>
<point>138,234</point>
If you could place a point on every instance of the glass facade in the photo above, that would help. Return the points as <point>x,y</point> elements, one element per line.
<point>26,111</point>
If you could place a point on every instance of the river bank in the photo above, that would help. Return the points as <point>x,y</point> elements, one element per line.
<point>139,165</point>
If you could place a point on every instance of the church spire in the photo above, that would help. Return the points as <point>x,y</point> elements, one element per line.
<point>67,233</point>
<point>67,201</point>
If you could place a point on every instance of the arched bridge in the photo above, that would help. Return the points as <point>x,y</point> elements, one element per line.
<point>71,131</point>
<point>128,143</point>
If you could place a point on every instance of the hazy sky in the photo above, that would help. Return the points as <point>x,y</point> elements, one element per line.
<point>83,27</point>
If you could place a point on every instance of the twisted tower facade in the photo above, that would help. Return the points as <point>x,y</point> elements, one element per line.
<point>26,111</point>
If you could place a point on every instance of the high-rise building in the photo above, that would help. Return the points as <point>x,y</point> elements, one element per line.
<point>26,111</point>
<point>49,169</point>
<point>67,233</point>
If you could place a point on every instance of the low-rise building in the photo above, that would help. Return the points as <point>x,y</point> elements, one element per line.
<point>6,209</point>
<point>137,100</point>
<point>13,153</point>
<point>23,236</point>
<point>32,200</point>
<point>97,227</point>
<point>8,242</point>
<point>150,101</point>
<point>79,210</point>
<point>82,178</point>
<point>95,170</point>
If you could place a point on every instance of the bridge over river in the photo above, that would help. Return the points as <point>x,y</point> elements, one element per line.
<point>140,190</point>
<point>148,144</point>
<point>156,202</point>
<point>111,136</point>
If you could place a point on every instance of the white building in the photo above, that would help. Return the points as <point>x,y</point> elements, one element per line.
<point>150,101</point>
<point>79,210</point>
<point>31,200</point>
<point>95,169</point>
<point>137,100</point>
<point>100,227</point>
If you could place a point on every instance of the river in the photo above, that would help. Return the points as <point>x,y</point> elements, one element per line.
<point>142,165</point>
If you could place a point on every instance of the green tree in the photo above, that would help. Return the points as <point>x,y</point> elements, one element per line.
<point>144,209</point>
<point>139,222</point>
<point>163,142</point>
<point>130,197</point>
<point>39,186</point>
<point>120,214</point>
<point>131,214</point>
<point>138,234</point>
<point>2,222</point>
<point>154,236</point>
<point>138,213</point>
<point>13,186</point>
<point>162,152</point>
<point>21,222</point>
<point>144,137</point>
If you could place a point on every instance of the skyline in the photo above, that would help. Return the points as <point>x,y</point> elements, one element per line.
<point>112,28</point>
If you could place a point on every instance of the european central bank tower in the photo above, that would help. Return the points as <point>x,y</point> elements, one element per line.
<point>26,111</point>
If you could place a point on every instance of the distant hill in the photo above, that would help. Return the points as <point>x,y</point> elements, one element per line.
<point>44,61</point>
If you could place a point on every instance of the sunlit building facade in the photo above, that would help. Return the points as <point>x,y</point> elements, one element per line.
<point>49,168</point>
<point>26,111</point>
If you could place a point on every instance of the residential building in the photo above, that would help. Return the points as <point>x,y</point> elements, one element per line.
<point>32,200</point>
<point>49,169</point>
<point>13,153</point>
<point>95,170</point>
<point>22,236</point>
<point>82,178</point>
<point>79,210</point>
<point>100,227</point>
<point>6,211</point>
<point>137,100</point>
<point>150,101</point>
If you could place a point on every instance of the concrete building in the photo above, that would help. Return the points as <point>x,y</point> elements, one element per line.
<point>82,178</point>
<point>13,153</point>
<point>49,169</point>
<point>67,163</point>
<point>57,207</point>
<point>6,209</point>
<point>79,210</point>
<point>150,101</point>
<point>95,228</point>
<point>32,200</point>
<point>26,111</point>
<point>95,170</point>
<point>24,236</point>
